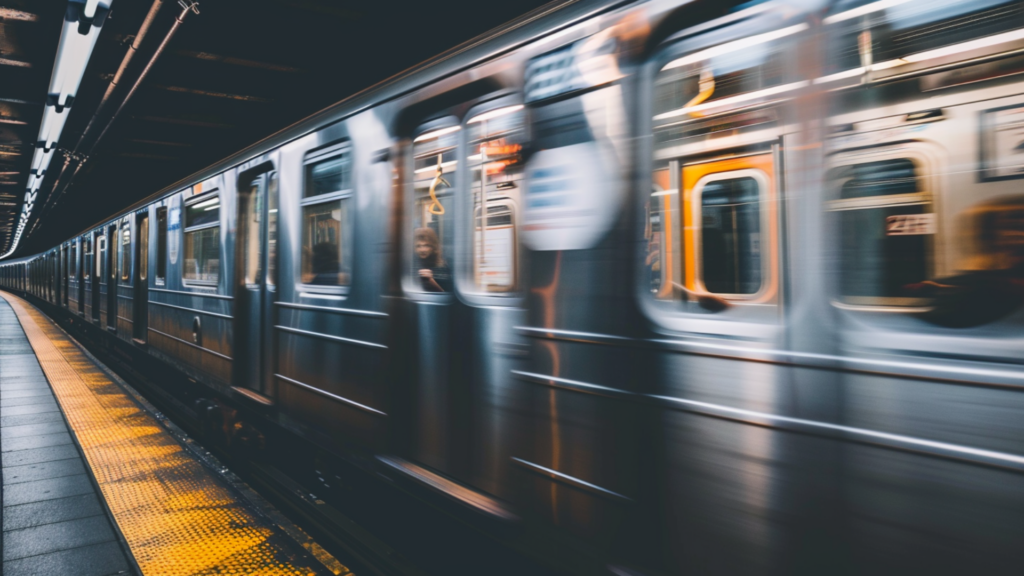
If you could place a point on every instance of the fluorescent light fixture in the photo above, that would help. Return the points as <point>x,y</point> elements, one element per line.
<point>52,126</point>
<point>433,167</point>
<point>734,99</point>
<point>72,56</point>
<point>862,10</point>
<point>994,40</point>
<point>666,192</point>
<point>475,157</point>
<point>496,113</point>
<point>735,46</point>
<point>889,64</point>
<point>967,46</point>
<point>435,133</point>
<point>852,72</point>
<point>73,53</point>
<point>206,203</point>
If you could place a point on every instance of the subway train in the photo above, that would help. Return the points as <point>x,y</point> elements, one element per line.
<point>681,287</point>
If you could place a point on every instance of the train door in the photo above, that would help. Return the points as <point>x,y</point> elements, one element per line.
<point>724,266</point>
<point>111,274</point>
<point>463,295</point>
<point>429,288</point>
<point>140,294</point>
<point>255,271</point>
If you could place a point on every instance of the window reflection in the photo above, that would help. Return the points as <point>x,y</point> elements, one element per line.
<point>886,227</point>
<point>434,181</point>
<point>327,232</point>
<point>495,165</point>
<point>731,236</point>
<point>202,241</point>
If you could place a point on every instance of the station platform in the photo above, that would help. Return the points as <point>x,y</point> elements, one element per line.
<point>95,483</point>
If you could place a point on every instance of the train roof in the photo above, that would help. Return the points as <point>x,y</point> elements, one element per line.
<point>543,21</point>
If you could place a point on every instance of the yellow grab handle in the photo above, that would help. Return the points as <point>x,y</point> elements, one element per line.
<point>436,208</point>
<point>706,85</point>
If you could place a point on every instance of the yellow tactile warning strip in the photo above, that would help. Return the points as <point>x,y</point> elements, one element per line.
<point>177,518</point>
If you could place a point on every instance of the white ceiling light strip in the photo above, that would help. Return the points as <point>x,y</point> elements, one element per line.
<point>862,10</point>
<point>83,21</point>
<point>735,46</point>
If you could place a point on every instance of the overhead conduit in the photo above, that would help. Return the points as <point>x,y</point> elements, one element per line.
<point>83,22</point>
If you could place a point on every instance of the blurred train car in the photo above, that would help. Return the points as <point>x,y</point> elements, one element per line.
<point>683,287</point>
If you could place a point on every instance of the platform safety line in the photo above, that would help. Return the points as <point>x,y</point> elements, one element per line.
<point>177,518</point>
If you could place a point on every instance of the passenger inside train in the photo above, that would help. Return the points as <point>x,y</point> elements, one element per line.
<point>991,282</point>
<point>431,267</point>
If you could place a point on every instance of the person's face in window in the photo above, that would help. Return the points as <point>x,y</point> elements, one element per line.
<point>424,249</point>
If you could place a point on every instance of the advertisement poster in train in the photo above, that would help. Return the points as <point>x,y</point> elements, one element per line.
<point>574,180</point>
<point>574,183</point>
<point>1003,143</point>
<point>570,201</point>
<point>495,267</point>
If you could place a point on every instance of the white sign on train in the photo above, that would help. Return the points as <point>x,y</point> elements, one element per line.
<point>910,224</point>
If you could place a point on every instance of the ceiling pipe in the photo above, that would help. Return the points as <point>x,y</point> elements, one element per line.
<point>129,55</point>
<point>80,158</point>
<point>187,6</point>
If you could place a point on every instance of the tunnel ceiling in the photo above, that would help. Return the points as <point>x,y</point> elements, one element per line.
<point>238,71</point>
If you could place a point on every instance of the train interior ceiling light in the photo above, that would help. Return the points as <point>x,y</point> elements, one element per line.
<point>83,22</point>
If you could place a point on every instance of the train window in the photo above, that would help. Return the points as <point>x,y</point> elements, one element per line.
<point>886,225</point>
<point>495,165</point>
<point>730,234</point>
<point>126,250</point>
<point>161,245</point>
<point>249,232</point>
<point>202,241</point>
<point>715,241</point>
<point>326,228</point>
<point>73,264</point>
<point>272,229</point>
<point>143,247</point>
<point>327,176</point>
<point>434,164</point>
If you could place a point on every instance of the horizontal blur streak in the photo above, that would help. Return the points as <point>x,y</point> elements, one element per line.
<point>660,288</point>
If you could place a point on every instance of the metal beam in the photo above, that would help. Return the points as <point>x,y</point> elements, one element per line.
<point>146,156</point>
<point>213,94</point>
<point>6,100</point>
<point>184,122</point>
<point>12,14</point>
<point>158,143</point>
<point>15,63</point>
<point>236,61</point>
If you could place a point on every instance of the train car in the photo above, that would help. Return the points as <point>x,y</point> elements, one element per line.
<point>684,287</point>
